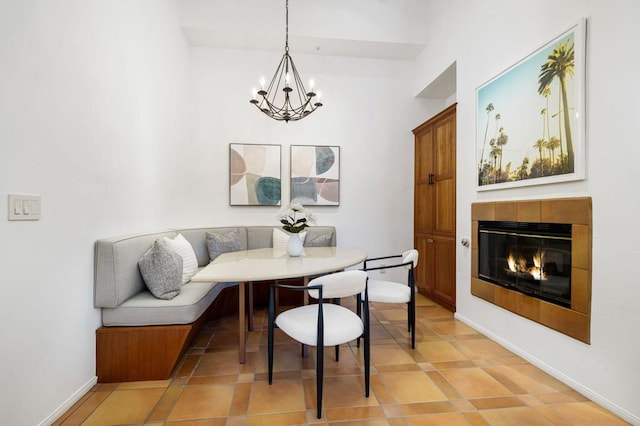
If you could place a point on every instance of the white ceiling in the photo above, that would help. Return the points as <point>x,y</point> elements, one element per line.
<point>384,29</point>
<point>380,29</point>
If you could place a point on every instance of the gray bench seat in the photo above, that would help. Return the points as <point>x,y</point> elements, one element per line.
<point>142,337</point>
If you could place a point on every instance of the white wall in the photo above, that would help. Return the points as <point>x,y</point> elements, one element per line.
<point>92,117</point>
<point>487,37</point>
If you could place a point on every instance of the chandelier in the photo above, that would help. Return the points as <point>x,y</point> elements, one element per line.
<point>286,89</point>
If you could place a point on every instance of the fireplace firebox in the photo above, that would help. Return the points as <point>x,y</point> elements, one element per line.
<point>530,258</point>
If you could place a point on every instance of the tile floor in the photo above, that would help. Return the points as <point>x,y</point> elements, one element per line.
<point>455,376</point>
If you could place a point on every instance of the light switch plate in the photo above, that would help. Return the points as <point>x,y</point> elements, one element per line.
<point>24,207</point>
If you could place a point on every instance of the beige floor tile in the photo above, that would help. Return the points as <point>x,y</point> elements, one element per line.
<point>482,348</point>
<point>165,405</point>
<point>280,397</point>
<point>500,402</point>
<point>532,379</point>
<point>415,386</point>
<point>439,351</point>
<point>144,385</point>
<point>125,407</point>
<point>561,397</point>
<point>353,413</point>
<point>203,401</point>
<point>475,383</point>
<point>448,419</point>
<point>433,312</point>
<point>283,419</point>
<point>428,408</point>
<point>455,328</point>
<point>391,314</point>
<point>389,354</point>
<point>346,391</point>
<point>586,414</point>
<point>521,416</point>
<point>218,363</point>
<point>79,413</point>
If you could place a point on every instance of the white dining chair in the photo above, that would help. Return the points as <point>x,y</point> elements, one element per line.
<point>323,324</point>
<point>395,292</point>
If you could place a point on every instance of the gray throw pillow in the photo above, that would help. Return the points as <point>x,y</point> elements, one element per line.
<point>223,243</point>
<point>161,270</point>
<point>323,240</point>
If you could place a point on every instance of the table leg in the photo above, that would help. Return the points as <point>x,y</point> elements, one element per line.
<point>250,288</point>
<point>241,305</point>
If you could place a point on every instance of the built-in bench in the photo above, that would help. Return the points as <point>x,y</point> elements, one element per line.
<point>143,337</point>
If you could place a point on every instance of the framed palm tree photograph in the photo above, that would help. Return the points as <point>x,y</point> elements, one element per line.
<point>530,126</point>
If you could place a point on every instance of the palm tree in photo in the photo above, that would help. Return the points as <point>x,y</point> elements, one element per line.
<point>560,64</point>
<point>546,93</point>
<point>489,108</point>
<point>522,172</point>
<point>552,144</point>
<point>495,150</point>
<point>539,145</point>
<point>500,143</point>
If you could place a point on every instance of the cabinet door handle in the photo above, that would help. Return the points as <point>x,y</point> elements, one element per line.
<point>429,240</point>
<point>431,180</point>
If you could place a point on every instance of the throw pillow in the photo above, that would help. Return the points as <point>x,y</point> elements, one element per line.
<point>323,240</point>
<point>161,270</point>
<point>281,238</point>
<point>223,243</point>
<point>181,246</point>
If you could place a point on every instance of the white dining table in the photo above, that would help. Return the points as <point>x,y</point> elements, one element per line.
<point>267,264</point>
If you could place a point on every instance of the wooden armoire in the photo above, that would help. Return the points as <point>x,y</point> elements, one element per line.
<point>435,207</point>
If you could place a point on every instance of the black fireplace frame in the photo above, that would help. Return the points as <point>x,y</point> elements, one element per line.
<point>506,258</point>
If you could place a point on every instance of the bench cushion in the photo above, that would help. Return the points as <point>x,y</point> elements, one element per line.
<point>185,308</point>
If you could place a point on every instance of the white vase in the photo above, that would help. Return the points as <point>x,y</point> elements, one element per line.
<point>294,245</point>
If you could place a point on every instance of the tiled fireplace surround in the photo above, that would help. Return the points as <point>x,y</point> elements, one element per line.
<point>574,321</point>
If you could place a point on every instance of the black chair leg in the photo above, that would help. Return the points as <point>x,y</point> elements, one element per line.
<point>367,349</point>
<point>319,378</point>
<point>412,322</point>
<point>359,313</point>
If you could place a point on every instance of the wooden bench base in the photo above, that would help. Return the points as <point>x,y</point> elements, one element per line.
<point>129,354</point>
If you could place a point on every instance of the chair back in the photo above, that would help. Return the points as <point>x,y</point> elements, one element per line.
<point>340,284</point>
<point>410,256</point>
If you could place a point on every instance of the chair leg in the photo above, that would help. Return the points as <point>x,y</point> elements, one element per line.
<point>319,378</point>
<point>359,313</point>
<point>367,351</point>
<point>337,353</point>
<point>412,323</point>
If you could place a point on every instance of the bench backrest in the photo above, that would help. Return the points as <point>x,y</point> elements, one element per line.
<point>117,277</point>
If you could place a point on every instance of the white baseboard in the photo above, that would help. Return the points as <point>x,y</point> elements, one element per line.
<point>68,403</point>
<point>617,410</point>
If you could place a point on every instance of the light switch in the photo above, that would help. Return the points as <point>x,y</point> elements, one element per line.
<point>24,207</point>
<point>17,207</point>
